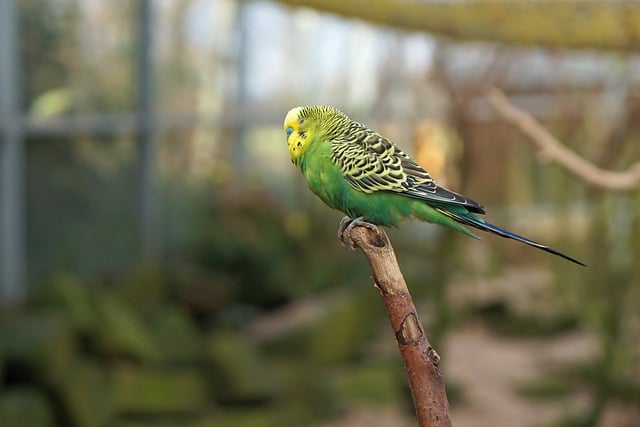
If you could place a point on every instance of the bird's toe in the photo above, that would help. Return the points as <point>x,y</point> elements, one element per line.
<point>346,227</point>
<point>344,233</point>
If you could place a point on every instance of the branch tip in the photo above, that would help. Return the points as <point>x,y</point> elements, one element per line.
<point>552,150</point>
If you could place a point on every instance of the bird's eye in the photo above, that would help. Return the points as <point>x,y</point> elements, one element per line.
<point>289,131</point>
<point>301,121</point>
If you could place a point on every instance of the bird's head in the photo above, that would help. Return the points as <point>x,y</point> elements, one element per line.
<point>305,126</point>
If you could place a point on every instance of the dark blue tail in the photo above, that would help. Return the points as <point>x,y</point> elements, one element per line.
<point>475,222</point>
<point>505,233</point>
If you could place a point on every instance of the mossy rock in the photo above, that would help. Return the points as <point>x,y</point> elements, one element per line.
<point>239,371</point>
<point>309,392</point>
<point>38,346</point>
<point>87,395</point>
<point>260,417</point>
<point>121,331</point>
<point>178,340</point>
<point>25,407</point>
<point>156,392</point>
<point>348,324</point>
<point>73,298</point>
<point>110,324</point>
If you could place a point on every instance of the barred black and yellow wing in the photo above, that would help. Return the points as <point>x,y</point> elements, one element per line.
<point>370,162</point>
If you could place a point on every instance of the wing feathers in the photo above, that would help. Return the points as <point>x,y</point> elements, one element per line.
<point>371,163</point>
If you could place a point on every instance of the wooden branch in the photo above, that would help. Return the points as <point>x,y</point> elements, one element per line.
<point>420,359</point>
<point>552,150</point>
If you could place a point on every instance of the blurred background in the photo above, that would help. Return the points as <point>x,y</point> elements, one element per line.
<point>164,264</point>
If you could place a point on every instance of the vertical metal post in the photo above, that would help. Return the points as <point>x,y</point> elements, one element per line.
<point>12,229</point>
<point>239,148</point>
<point>147,203</point>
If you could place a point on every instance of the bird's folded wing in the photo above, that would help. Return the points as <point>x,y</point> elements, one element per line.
<point>372,163</point>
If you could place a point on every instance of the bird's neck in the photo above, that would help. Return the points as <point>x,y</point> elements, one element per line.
<point>315,150</point>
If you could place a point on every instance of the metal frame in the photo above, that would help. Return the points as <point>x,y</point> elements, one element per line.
<point>14,126</point>
<point>145,123</point>
<point>12,185</point>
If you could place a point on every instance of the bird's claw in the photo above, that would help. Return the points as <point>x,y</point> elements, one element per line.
<point>346,226</point>
<point>344,222</point>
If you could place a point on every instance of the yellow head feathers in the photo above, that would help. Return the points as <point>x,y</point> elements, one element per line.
<point>304,125</point>
<point>294,127</point>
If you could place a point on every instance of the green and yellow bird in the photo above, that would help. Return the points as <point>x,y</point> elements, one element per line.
<point>361,173</point>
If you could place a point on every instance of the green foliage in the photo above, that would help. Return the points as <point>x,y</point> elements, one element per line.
<point>25,407</point>
<point>38,346</point>
<point>174,346</point>
<point>86,394</point>
<point>238,371</point>
<point>177,338</point>
<point>120,331</point>
<point>379,383</point>
<point>248,252</point>
<point>48,30</point>
<point>157,392</point>
<point>345,327</point>
<point>74,299</point>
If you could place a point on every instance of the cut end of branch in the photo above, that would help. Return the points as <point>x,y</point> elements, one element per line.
<point>377,239</point>
<point>360,234</point>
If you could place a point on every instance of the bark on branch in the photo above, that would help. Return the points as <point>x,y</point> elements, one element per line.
<point>420,359</point>
<point>552,150</point>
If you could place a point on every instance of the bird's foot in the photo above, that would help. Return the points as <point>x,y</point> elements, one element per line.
<point>344,231</point>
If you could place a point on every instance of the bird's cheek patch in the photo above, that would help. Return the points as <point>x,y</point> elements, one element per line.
<point>294,147</point>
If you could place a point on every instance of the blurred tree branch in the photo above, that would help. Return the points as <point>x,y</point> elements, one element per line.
<point>420,359</point>
<point>569,23</point>
<point>550,149</point>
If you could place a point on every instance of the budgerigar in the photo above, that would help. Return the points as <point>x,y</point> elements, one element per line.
<point>363,174</point>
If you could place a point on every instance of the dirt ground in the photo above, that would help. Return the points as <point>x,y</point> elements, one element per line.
<point>489,369</point>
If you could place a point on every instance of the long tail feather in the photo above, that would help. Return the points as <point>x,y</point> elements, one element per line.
<point>505,233</point>
<point>473,221</point>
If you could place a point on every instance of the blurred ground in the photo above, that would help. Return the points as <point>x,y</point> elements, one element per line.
<point>489,369</point>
